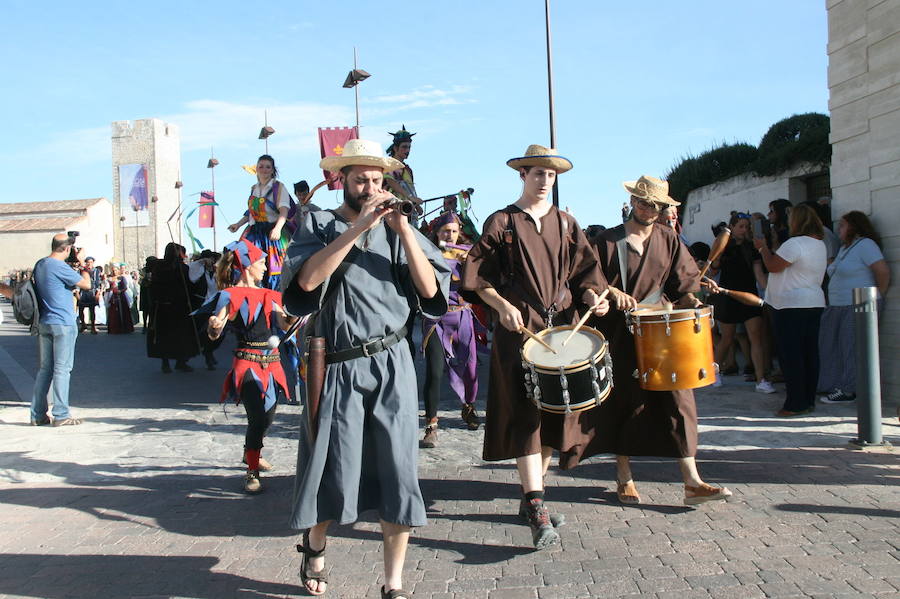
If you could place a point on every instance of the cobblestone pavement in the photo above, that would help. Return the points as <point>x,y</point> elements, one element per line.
<point>144,500</point>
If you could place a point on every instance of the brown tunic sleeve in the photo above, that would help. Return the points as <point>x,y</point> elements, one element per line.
<point>684,277</point>
<point>584,269</point>
<point>483,267</point>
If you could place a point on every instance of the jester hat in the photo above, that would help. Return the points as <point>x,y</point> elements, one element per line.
<point>245,254</point>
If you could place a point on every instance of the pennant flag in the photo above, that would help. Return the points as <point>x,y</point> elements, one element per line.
<point>331,143</point>
<point>137,197</point>
<point>207,215</point>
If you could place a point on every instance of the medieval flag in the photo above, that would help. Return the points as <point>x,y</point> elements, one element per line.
<point>137,197</point>
<point>207,214</point>
<point>331,143</point>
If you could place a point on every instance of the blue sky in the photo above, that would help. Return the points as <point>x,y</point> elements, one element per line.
<point>638,85</point>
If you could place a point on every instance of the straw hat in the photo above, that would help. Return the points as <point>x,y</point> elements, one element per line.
<point>537,155</point>
<point>650,189</point>
<point>360,152</point>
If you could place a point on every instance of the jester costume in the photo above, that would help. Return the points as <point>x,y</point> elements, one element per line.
<point>256,378</point>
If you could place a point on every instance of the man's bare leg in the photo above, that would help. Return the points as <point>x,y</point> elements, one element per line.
<point>531,474</point>
<point>396,539</point>
<point>318,536</point>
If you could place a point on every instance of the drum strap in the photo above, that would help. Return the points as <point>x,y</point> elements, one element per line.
<point>622,251</point>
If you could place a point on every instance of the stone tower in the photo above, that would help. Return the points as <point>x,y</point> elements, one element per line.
<point>157,145</point>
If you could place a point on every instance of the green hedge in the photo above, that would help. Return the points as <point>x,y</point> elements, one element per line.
<point>799,138</point>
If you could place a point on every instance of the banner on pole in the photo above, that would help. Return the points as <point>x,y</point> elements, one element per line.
<point>331,143</point>
<point>133,195</point>
<point>207,215</point>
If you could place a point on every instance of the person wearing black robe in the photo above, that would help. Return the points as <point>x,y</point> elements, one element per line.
<point>171,332</point>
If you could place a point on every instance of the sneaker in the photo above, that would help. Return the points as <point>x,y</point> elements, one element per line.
<point>543,534</point>
<point>764,386</point>
<point>183,367</point>
<point>251,482</point>
<point>838,396</point>
<point>718,382</point>
<point>556,519</point>
<point>264,465</point>
<point>430,438</point>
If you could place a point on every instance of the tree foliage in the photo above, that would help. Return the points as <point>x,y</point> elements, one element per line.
<point>799,138</point>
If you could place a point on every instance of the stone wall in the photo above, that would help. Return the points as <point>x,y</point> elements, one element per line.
<point>864,86</point>
<point>156,144</point>
<point>711,204</point>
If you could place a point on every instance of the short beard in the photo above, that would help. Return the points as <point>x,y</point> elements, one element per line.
<point>641,222</point>
<point>354,203</point>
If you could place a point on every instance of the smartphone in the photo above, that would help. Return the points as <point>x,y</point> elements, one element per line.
<point>757,228</point>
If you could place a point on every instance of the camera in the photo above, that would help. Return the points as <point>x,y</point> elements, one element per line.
<point>73,251</point>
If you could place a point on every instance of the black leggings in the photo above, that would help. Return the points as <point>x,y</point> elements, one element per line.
<point>434,370</point>
<point>258,419</point>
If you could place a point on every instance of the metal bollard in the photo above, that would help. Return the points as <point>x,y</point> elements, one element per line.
<point>868,370</point>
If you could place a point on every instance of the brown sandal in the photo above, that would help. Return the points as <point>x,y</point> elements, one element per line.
<point>704,493</point>
<point>627,492</point>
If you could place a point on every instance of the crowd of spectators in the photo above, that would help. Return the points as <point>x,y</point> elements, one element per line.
<point>803,333</point>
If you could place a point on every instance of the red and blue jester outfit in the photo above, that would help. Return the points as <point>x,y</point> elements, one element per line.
<point>254,360</point>
<point>256,378</point>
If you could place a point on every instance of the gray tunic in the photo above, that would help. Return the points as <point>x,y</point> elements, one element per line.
<point>365,454</point>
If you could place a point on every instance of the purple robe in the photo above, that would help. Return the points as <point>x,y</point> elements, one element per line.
<point>456,330</point>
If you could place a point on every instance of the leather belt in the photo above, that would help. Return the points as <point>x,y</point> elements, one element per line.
<point>366,349</point>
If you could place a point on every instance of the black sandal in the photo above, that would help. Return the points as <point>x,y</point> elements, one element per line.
<point>306,574</point>
<point>395,594</point>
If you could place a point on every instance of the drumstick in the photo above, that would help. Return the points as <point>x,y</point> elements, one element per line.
<point>717,248</point>
<point>745,297</point>
<point>585,317</point>
<point>536,338</point>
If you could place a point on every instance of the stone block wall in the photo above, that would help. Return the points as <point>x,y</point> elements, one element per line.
<point>864,100</point>
<point>156,144</point>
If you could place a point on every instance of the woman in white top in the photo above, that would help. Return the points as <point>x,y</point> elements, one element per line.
<point>795,292</point>
<point>267,212</point>
<point>859,263</point>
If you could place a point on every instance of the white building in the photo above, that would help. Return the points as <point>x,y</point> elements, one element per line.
<point>27,228</point>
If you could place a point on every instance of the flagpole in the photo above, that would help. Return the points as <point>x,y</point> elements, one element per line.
<point>265,124</point>
<point>356,92</point>
<point>550,94</point>
<point>213,173</point>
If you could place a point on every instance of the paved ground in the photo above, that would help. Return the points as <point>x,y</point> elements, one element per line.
<point>144,501</point>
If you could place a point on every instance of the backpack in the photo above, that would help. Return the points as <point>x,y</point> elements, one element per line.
<point>25,305</point>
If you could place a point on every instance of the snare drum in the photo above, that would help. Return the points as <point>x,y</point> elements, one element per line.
<point>578,377</point>
<point>674,348</point>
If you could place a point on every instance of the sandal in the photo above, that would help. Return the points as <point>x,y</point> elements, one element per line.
<point>627,492</point>
<point>308,575</point>
<point>704,493</point>
<point>395,594</point>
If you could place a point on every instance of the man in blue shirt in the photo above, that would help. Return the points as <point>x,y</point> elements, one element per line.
<point>54,280</point>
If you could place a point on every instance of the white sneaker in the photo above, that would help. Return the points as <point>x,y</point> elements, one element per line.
<point>718,382</point>
<point>764,386</point>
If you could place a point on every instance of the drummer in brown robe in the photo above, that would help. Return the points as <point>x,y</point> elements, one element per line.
<point>633,421</point>
<point>533,266</point>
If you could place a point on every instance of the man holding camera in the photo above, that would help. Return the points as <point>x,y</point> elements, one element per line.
<point>54,280</point>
